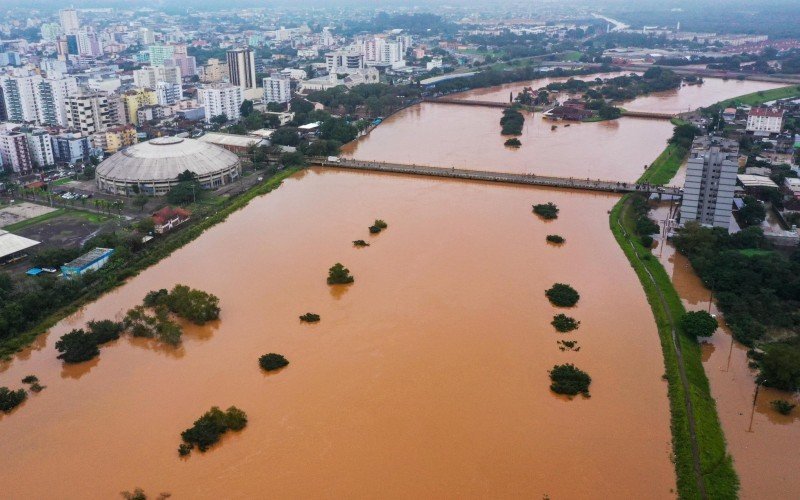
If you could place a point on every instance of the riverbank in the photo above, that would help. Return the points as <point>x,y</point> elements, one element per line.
<point>703,467</point>
<point>115,276</point>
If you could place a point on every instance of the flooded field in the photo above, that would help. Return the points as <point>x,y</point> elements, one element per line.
<point>765,452</point>
<point>426,378</point>
<point>469,137</point>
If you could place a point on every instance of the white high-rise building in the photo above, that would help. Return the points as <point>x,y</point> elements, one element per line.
<point>242,68</point>
<point>14,152</point>
<point>50,31</point>
<point>51,100</point>
<point>40,147</point>
<point>277,88</point>
<point>765,121</point>
<point>89,44</point>
<point>19,94</point>
<point>168,93</point>
<point>710,182</point>
<point>146,36</point>
<point>222,99</point>
<point>149,76</point>
<point>69,21</point>
<point>160,53</point>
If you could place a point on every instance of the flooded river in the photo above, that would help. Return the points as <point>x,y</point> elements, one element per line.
<point>426,378</point>
<point>448,135</point>
<point>765,451</point>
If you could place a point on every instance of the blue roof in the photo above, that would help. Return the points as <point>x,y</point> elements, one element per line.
<point>34,271</point>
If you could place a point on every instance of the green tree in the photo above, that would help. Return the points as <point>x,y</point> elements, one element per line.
<point>219,119</point>
<point>562,295</point>
<point>140,200</point>
<point>753,212</point>
<point>570,380</point>
<point>272,361</point>
<point>77,346</point>
<point>698,324</point>
<point>339,275</point>
<point>11,399</point>
<point>246,108</point>
<point>780,367</point>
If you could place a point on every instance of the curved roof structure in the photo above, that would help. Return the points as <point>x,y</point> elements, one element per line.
<point>163,158</point>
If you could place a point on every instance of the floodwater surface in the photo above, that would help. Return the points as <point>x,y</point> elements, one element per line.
<point>426,378</point>
<point>450,135</point>
<point>765,452</point>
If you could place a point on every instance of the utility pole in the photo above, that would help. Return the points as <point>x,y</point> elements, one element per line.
<point>753,410</point>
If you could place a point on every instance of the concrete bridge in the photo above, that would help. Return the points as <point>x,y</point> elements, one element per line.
<point>465,102</point>
<point>501,177</point>
<point>648,114</point>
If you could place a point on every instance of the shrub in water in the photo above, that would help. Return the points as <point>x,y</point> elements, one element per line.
<point>782,406</point>
<point>546,210</point>
<point>11,399</point>
<point>272,361</point>
<point>105,330</point>
<point>562,295</point>
<point>374,229</point>
<point>513,143</point>
<point>310,317</point>
<point>360,243</point>
<point>339,275</point>
<point>380,224</point>
<point>554,238</point>
<point>567,379</point>
<point>30,379</point>
<point>210,427</point>
<point>77,346</point>
<point>564,323</point>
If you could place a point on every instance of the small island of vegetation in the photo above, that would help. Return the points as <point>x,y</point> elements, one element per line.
<point>570,380</point>
<point>151,320</point>
<point>547,210</point>
<point>513,143</point>
<point>270,362</point>
<point>782,406</point>
<point>339,275</point>
<point>208,429</point>
<point>309,318</point>
<point>11,399</point>
<point>512,121</point>
<point>33,382</point>
<point>554,238</point>
<point>377,226</point>
<point>564,323</point>
<point>562,295</point>
<point>360,243</point>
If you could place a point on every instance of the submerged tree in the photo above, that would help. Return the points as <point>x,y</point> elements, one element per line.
<point>339,275</point>
<point>564,323</point>
<point>567,379</point>
<point>272,361</point>
<point>562,295</point>
<point>547,210</point>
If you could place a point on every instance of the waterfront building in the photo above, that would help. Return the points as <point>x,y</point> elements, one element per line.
<point>710,182</point>
<point>153,167</point>
<point>90,261</point>
<point>765,121</point>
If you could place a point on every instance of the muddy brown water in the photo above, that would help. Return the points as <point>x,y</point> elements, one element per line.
<point>765,453</point>
<point>449,135</point>
<point>426,378</point>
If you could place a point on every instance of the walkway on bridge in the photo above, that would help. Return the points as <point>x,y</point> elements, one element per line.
<point>502,177</point>
<point>495,104</point>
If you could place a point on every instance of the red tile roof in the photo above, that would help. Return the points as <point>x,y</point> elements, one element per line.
<point>168,213</point>
<point>768,112</point>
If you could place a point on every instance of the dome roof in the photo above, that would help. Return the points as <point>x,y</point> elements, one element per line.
<point>163,158</point>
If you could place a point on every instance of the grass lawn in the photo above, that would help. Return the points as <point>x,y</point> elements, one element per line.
<point>763,96</point>
<point>754,252</point>
<point>61,182</point>
<point>571,56</point>
<point>665,166</point>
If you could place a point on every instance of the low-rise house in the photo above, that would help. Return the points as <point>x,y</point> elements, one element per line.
<point>168,218</point>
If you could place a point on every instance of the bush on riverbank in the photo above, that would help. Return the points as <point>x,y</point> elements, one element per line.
<point>77,346</point>
<point>564,323</point>
<point>698,324</point>
<point>547,210</point>
<point>554,238</point>
<point>339,275</point>
<point>270,362</point>
<point>309,318</point>
<point>569,380</point>
<point>562,295</point>
<point>512,121</point>
<point>209,428</point>
<point>11,399</point>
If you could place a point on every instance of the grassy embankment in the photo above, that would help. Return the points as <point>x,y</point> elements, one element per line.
<point>162,248</point>
<point>763,96</point>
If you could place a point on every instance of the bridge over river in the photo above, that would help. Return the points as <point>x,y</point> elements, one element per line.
<point>501,177</point>
<point>496,104</point>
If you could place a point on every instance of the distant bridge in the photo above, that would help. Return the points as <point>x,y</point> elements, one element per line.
<point>501,177</point>
<point>465,102</point>
<point>496,104</point>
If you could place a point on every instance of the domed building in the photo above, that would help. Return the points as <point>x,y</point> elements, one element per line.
<point>152,167</point>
